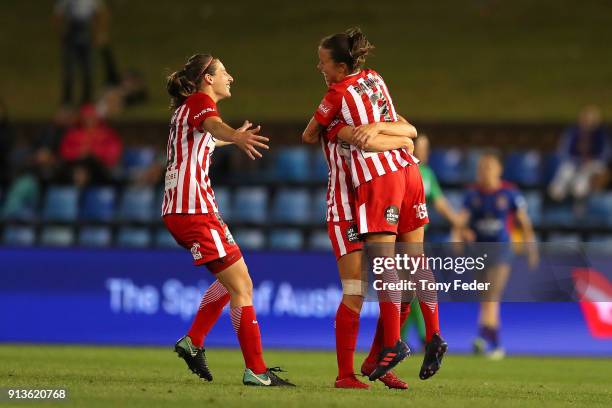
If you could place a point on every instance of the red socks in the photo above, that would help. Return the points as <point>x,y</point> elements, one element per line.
<point>347,327</point>
<point>430,317</point>
<point>211,306</point>
<point>390,315</point>
<point>377,342</point>
<point>246,327</point>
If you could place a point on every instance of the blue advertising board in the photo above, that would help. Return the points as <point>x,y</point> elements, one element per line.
<point>143,297</point>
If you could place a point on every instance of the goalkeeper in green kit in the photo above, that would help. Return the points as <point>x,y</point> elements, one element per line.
<point>435,198</point>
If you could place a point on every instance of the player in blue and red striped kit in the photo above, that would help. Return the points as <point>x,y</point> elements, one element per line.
<point>490,208</point>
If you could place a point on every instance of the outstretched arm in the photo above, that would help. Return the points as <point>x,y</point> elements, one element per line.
<point>312,132</point>
<point>379,137</point>
<point>246,140</point>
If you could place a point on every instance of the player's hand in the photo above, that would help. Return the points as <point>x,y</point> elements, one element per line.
<point>248,141</point>
<point>410,146</point>
<point>364,133</point>
<point>533,256</point>
<point>245,126</point>
<point>468,235</point>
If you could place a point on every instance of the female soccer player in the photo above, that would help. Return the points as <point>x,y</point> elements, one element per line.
<point>487,210</point>
<point>191,214</point>
<point>389,190</point>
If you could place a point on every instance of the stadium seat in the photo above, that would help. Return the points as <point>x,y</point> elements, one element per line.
<point>98,204</point>
<point>250,204</point>
<point>319,241</point>
<point>61,204</point>
<point>21,201</point>
<point>319,166</point>
<point>523,168</point>
<point>136,159</point>
<point>249,238</point>
<point>223,196</point>
<point>319,206</point>
<point>534,206</point>
<point>17,235</point>
<point>291,206</point>
<point>558,215</point>
<point>471,164</point>
<point>134,237</point>
<point>163,239</point>
<point>98,237</point>
<point>286,239</point>
<point>599,209</point>
<point>550,166</point>
<point>292,164</point>
<point>448,165</point>
<point>57,236</point>
<point>563,237</point>
<point>137,204</point>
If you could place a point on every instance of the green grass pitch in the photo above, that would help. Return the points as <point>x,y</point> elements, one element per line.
<point>152,377</point>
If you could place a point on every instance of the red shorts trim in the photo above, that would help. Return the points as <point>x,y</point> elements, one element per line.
<point>393,202</point>
<point>344,237</point>
<point>207,237</point>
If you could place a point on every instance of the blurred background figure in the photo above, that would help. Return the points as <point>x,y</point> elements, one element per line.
<point>6,144</point>
<point>584,150</point>
<point>77,21</point>
<point>91,149</point>
<point>488,207</point>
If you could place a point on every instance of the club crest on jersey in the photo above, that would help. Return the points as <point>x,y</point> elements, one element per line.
<point>352,234</point>
<point>392,215</point>
<point>195,251</point>
<point>502,203</point>
<point>228,237</point>
<point>421,211</point>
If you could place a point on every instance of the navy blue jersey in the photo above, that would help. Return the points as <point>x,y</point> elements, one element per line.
<point>491,212</point>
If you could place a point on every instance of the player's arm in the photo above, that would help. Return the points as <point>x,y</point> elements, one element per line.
<point>526,227</point>
<point>246,140</point>
<point>366,134</point>
<point>312,132</point>
<point>245,126</point>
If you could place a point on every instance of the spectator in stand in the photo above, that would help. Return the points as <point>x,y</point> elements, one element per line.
<point>6,143</point>
<point>584,150</point>
<point>92,149</point>
<point>77,21</point>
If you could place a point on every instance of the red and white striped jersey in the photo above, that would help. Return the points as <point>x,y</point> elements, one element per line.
<point>340,192</point>
<point>360,99</point>
<point>187,186</point>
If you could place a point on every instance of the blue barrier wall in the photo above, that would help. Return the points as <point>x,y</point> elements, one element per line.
<point>149,297</point>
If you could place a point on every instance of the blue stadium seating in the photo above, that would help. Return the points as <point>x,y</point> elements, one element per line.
<point>137,204</point>
<point>249,238</point>
<point>523,168</point>
<point>163,239</point>
<point>16,235</point>
<point>534,206</point>
<point>292,206</point>
<point>98,204</point>
<point>57,236</point>
<point>563,237</point>
<point>136,159</point>
<point>599,209</point>
<point>61,204</point>
<point>98,237</point>
<point>448,165</point>
<point>134,237</point>
<point>292,164</point>
<point>471,164</point>
<point>550,165</point>
<point>223,196</point>
<point>250,204</point>
<point>319,206</point>
<point>319,166</point>
<point>286,239</point>
<point>319,241</point>
<point>559,215</point>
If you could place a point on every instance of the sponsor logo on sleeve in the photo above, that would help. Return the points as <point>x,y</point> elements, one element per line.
<point>392,215</point>
<point>203,112</point>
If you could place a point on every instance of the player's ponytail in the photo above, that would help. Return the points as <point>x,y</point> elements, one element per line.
<point>186,81</point>
<point>350,47</point>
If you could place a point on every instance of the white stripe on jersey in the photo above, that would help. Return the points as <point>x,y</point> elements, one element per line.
<point>193,156</point>
<point>184,151</point>
<point>361,109</point>
<point>340,240</point>
<point>363,221</point>
<point>218,243</point>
